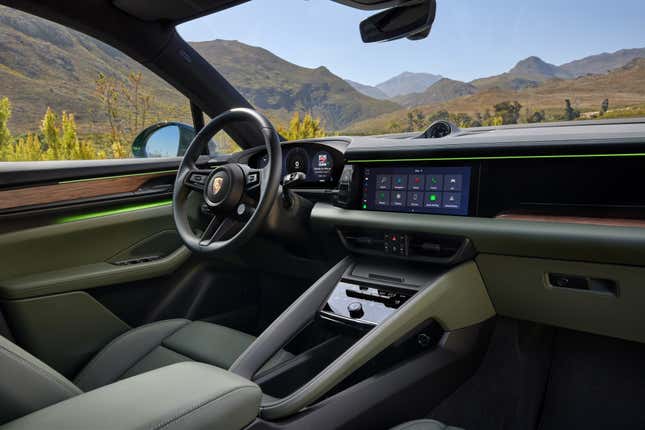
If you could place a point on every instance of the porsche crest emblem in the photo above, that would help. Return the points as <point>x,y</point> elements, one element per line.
<point>217,184</point>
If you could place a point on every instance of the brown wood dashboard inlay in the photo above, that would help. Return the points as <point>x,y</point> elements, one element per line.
<point>614,222</point>
<point>70,191</point>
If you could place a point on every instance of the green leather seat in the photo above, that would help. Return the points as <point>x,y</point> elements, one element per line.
<point>27,384</point>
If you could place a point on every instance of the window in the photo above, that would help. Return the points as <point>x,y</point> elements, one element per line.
<point>67,96</point>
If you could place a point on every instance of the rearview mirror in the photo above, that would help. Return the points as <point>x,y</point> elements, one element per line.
<point>168,139</point>
<point>413,22</point>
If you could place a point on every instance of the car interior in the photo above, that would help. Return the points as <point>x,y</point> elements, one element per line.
<point>450,278</point>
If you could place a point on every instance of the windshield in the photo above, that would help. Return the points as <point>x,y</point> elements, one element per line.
<point>304,65</point>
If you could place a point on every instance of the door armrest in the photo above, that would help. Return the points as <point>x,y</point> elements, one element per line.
<point>185,395</point>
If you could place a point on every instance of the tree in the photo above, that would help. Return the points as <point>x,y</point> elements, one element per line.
<point>5,135</point>
<point>304,128</point>
<point>439,115</point>
<point>395,127</point>
<point>604,106</point>
<point>27,149</point>
<point>508,111</point>
<point>537,116</point>
<point>462,120</point>
<point>416,120</point>
<point>569,112</point>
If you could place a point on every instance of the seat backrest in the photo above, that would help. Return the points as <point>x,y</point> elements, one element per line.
<point>27,384</point>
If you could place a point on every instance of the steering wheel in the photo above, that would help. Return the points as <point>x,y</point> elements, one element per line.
<point>238,197</point>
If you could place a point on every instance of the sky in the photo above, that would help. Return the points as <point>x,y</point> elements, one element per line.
<point>469,39</point>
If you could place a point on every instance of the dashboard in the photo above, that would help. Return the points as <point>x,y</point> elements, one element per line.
<point>581,170</point>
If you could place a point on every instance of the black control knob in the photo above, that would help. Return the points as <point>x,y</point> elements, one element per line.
<point>355,310</point>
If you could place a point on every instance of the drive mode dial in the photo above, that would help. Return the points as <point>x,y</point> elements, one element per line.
<point>355,310</point>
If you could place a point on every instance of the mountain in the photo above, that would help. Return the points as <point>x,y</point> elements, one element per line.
<point>407,83</point>
<point>529,72</point>
<point>280,88</point>
<point>602,63</point>
<point>368,90</point>
<point>535,68</point>
<point>624,87</point>
<point>441,91</point>
<point>44,64</point>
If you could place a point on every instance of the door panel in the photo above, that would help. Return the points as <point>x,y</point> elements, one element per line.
<point>81,189</point>
<point>84,254</point>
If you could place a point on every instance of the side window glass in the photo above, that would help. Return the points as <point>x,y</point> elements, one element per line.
<point>67,96</point>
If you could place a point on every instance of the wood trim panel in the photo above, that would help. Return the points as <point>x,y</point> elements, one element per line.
<point>70,191</point>
<point>615,222</point>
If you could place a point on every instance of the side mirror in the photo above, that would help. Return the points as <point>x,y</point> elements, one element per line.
<point>413,22</point>
<point>167,139</point>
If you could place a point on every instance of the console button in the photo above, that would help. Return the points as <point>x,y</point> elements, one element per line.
<point>453,182</point>
<point>355,310</point>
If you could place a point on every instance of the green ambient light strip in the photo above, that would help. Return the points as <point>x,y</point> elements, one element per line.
<point>130,175</point>
<point>500,157</point>
<point>121,210</point>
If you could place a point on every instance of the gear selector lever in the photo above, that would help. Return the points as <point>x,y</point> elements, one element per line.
<point>289,181</point>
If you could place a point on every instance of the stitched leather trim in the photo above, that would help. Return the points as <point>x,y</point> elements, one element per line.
<point>184,414</point>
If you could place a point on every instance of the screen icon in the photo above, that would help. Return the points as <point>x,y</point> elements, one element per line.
<point>415,199</point>
<point>432,200</point>
<point>434,182</point>
<point>382,198</point>
<point>416,182</point>
<point>452,200</point>
<point>322,159</point>
<point>383,182</point>
<point>453,182</point>
<point>398,198</point>
<point>400,182</point>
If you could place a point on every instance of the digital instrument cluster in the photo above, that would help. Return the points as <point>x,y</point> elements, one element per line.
<point>317,163</point>
<point>436,190</point>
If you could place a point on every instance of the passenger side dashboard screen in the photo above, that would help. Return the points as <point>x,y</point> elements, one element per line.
<point>435,190</point>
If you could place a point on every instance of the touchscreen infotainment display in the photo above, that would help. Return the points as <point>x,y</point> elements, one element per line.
<point>436,190</point>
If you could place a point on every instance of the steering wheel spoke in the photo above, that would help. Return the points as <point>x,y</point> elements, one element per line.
<point>253,180</point>
<point>196,179</point>
<point>218,229</point>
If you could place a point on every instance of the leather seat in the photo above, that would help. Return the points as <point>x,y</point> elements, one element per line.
<point>424,425</point>
<point>27,384</point>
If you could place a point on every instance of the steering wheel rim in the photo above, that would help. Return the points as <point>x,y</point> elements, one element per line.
<point>230,209</point>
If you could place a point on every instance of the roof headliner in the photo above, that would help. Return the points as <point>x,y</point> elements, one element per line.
<point>178,11</point>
